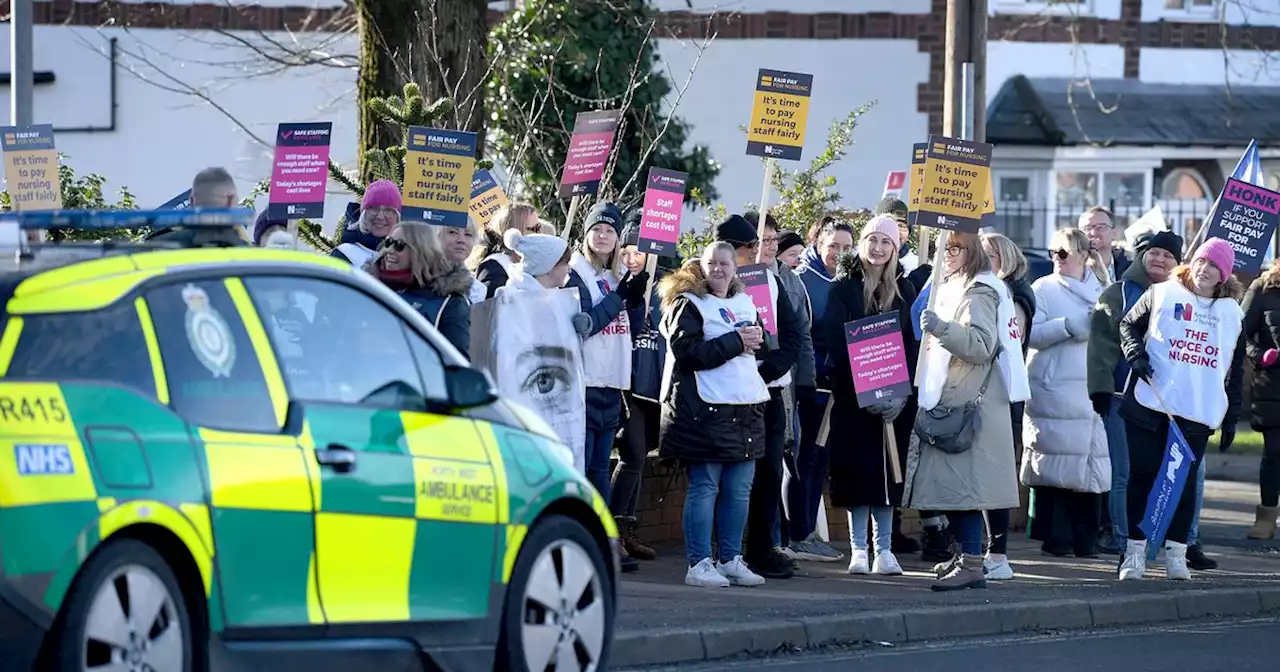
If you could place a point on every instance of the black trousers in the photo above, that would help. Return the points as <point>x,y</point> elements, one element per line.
<point>641,434</point>
<point>1269,472</point>
<point>1066,517</point>
<point>1146,456</point>
<point>765,509</point>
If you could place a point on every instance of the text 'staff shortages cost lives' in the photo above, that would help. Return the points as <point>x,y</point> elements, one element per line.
<point>779,114</point>
<point>31,167</point>
<point>588,152</point>
<point>437,176</point>
<point>755,280</point>
<point>916,181</point>
<point>663,205</point>
<point>956,173</point>
<point>1246,217</point>
<point>877,359</point>
<point>300,171</point>
<point>487,198</point>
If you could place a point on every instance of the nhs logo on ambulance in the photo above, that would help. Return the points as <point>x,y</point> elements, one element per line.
<point>43,459</point>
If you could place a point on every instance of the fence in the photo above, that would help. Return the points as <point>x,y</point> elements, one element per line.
<point>1031,224</point>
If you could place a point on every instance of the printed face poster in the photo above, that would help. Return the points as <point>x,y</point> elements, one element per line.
<point>779,114</point>
<point>487,198</point>
<point>663,205</point>
<point>588,152</point>
<point>916,180</point>
<point>956,175</point>
<point>1246,217</point>
<point>755,278</point>
<point>31,167</point>
<point>878,359</point>
<point>301,170</point>
<point>437,176</point>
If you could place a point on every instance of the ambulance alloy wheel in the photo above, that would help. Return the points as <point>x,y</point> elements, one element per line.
<point>124,613</point>
<point>560,612</point>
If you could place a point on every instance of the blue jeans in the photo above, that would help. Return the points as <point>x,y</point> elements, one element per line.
<point>1118,446</point>
<point>719,493</point>
<point>805,492</point>
<point>604,414</point>
<point>966,527</point>
<point>1193,537</point>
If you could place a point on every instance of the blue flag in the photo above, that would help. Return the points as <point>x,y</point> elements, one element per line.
<point>1166,492</point>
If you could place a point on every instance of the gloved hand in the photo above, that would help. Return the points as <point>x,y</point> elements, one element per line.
<point>932,324</point>
<point>1269,358</point>
<point>1078,325</point>
<point>632,287</point>
<point>582,324</point>
<point>894,409</point>
<point>1101,403</point>
<point>1227,434</point>
<point>1142,369</point>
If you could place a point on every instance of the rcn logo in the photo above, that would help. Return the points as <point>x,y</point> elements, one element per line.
<point>1182,312</point>
<point>43,459</point>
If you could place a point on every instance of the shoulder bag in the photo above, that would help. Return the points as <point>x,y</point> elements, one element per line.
<point>952,429</point>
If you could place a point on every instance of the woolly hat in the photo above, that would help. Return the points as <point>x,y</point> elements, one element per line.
<point>631,227</point>
<point>890,205</point>
<point>789,239</point>
<point>262,223</point>
<point>1219,253</point>
<point>885,224</point>
<point>1165,240</point>
<point>381,194</point>
<point>538,252</point>
<point>604,212</point>
<point>736,231</point>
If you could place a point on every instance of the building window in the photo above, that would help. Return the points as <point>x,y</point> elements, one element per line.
<point>1184,184</point>
<point>1125,193</point>
<point>1191,5</point>
<point>1058,7</point>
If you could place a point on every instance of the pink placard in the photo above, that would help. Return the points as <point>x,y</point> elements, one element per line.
<point>755,278</point>
<point>663,205</point>
<point>877,359</point>
<point>300,171</point>
<point>588,152</point>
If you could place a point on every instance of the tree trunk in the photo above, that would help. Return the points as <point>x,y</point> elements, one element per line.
<point>440,44</point>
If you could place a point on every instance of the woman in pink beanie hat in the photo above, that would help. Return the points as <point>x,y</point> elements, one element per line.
<point>368,222</point>
<point>1185,346</point>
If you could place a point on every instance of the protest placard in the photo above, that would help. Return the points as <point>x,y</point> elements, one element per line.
<point>894,183</point>
<point>487,198</point>
<point>779,114</point>
<point>663,205</point>
<point>755,281</point>
<point>437,176</point>
<point>956,176</point>
<point>300,171</point>
<point>588,152</point>
<point>989,207</point>
<point>180,202</point>
<point>31,167</point>
<point>1246,217</point>
<point>878,359</point>
<point>916,181</point>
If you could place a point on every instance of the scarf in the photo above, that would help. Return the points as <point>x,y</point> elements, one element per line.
<point>396,280</point>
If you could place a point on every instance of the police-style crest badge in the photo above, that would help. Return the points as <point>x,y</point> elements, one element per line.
<point>209,335</point>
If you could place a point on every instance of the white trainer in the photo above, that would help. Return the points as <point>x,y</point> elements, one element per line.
<point>738,574</point>
<point>886,563</point>
<point>1134,563</point>
<point>1175,561</point>
<point>997,570</point>
<point>705,575</point>
<point>858,563</point>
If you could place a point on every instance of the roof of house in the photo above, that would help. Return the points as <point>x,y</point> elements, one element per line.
<point>1060,111</point>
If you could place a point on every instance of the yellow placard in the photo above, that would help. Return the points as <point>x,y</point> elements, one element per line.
<point>957,174</point>
<point>437,176</point>
<point>989,200</point>
<point>31,167</point>
<point>487,198</point>
<point>915,179</point>
<point>779,114</point>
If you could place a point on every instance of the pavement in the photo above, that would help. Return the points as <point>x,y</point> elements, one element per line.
<point>661,621</point>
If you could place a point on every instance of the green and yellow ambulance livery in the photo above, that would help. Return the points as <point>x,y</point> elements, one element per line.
<point>230,458</point>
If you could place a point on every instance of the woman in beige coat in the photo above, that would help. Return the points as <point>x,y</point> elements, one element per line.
<point>967,335</point>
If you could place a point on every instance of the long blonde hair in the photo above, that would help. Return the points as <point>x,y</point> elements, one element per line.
<point>511,216</point>
<point>426,259</point>
<point>1077,241</point>
<point>975,259</point>
<point>1013,263</point>
<point>1230,287</point>
<point>1271,278</point>
<point>878,296</point>
<point>612,262</point>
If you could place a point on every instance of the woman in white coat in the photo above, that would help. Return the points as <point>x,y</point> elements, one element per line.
<point>1066,459</point>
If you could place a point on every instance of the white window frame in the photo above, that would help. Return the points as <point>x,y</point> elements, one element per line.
<point>1037,214</point>
<point>1191,11</point>
<point>1100,169</point>
<point>1193,174</point>
<point>1043,7</point>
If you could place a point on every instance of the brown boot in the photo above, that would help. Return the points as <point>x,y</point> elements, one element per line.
<point>1264,523</point>
<point>963,575</point>
<point>631,542</point>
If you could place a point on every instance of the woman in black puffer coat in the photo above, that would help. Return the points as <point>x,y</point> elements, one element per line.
<point>1261,339</point>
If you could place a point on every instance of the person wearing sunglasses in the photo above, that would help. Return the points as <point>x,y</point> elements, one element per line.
<point>410,262</point>
<point>1065,461</point>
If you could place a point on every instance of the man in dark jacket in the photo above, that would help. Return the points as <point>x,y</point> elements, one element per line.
<point>776,360</point>
<point>1099,224</point>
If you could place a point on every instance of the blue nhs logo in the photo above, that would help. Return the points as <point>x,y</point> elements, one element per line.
<point>43,458</point>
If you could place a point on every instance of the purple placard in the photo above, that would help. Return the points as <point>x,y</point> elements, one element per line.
<point>878,359</point>
<point>755,278</point>
<point>1246,217</point>
<point>300,171</point>
<point>663,205</point>
<point>588,152</point>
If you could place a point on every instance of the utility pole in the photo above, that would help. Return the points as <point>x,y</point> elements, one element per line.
<point>21,69</point>
<point>966,42</point>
